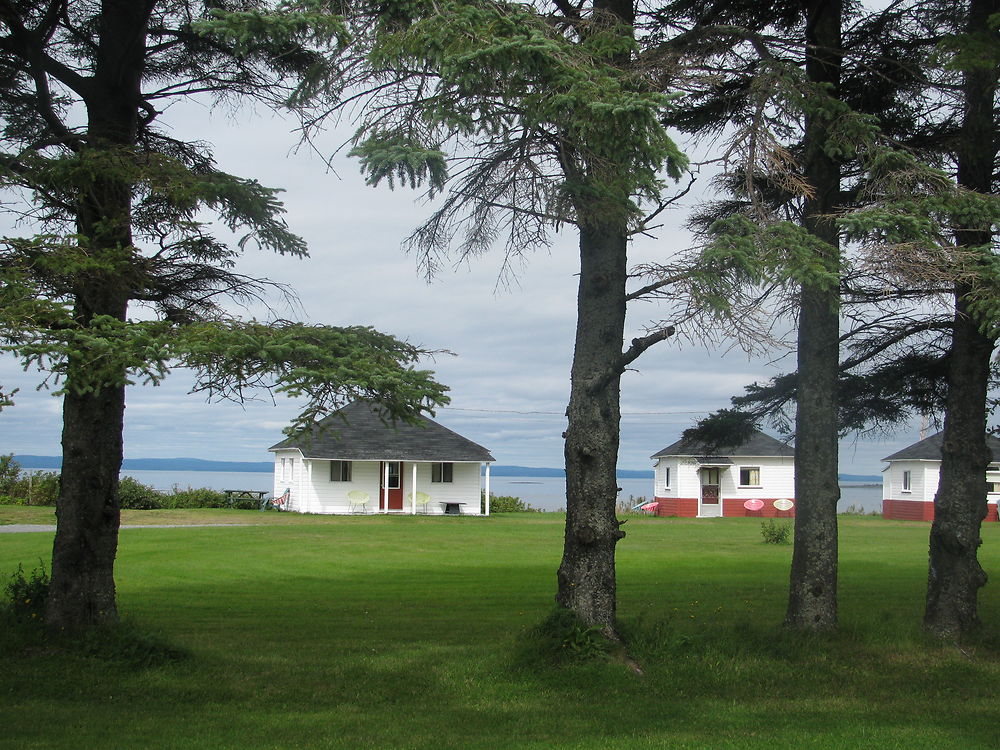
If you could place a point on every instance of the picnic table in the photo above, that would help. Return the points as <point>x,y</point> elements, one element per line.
<point>257,496</point>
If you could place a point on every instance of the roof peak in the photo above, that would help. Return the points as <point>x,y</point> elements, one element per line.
<point>757,444</point>
<point>361,431</point>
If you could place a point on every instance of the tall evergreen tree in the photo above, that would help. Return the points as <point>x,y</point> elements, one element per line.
<point>526,119</point>
<point>123,281</point>
<point>781,63</point>
<point>955,575</point>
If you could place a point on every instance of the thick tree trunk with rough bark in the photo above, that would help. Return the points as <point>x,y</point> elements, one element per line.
<point>82,590</point>
<point>812,594</point>
<point>955,575</point>
<point>587,573</point>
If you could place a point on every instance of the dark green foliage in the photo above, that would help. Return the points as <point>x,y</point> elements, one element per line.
<point>20,488</point>
<point>25,595</point>
<point>133,495</point>
<point>507,504</point>
<point>10,470</point>
<point>722,430</point>
<point>774,532</point>
<point>201,498</point>
<point>563,638</point>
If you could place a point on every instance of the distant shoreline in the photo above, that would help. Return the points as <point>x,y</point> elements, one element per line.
<point>198,464</point>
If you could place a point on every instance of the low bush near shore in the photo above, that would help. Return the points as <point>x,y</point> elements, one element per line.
<point>18,487</point>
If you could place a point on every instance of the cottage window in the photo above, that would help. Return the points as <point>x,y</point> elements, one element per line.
<point>393,474</point>
<point>906,481</point>
<point>993,487</point>
<point>442,472</point>
<point>284,470</point>
<point>749,476</point>
<point>666,477</point>
<point>340,471</point>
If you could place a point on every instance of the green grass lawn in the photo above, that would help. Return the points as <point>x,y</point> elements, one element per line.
<point>378,632</point>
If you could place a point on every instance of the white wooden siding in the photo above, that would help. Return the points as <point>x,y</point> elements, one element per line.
<point>924,477</point>
<point>777,478</point>
<point>688,480</point>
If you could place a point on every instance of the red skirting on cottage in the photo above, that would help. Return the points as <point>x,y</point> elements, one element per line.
<point>920,510</point>
<point>683,507</point>
<point>732,507</point>
<point>687,507</point>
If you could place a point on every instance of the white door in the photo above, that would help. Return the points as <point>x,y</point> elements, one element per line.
<point>710,502</point>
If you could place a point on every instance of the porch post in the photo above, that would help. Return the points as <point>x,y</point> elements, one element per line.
<point>307,464</point>
<point>385,487</point>
<point>486,503</point>
<point>413,491</point>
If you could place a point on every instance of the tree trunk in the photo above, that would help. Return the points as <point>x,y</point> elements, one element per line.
<point>954,575</point>
<point>812,594</point>
<point>587,574</point>
<point>82,589</point>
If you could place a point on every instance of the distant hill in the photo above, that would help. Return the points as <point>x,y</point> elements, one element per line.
<point>537,471</point>
<point>157,464</point>
<point>872,478</point>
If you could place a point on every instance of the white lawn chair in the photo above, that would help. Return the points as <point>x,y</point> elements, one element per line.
<point>359,500</point>
<point>423,501</point>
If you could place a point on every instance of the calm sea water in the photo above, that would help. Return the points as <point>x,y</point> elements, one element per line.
<point>545,493</point>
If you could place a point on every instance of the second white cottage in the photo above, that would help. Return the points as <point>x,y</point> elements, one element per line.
<point>756,478</point>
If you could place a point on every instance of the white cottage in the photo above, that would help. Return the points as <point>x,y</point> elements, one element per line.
<point>354,461</point>
<point>756,478</point>
<point>910,481</point>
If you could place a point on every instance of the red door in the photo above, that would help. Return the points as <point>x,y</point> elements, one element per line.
<point>395,485</point>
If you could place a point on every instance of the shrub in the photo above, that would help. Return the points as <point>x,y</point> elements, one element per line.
<point>134,495</point>
<point>507,504</point>
<point>10,472</point>
<point>775,533</point>
<point>628,505</point>
<point>562,638</point>
<point>25,595</point>
<point>859,510</point>
<point>18,488</point>
<point>41,487</point>
<point>197,498</point>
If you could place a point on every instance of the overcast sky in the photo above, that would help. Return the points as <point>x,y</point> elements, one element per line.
<point>509,377</point>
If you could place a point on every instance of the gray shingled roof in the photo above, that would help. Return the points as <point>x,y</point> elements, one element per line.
<point>759,444</point>
<point>929,449</point>
<point>357,433</point>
